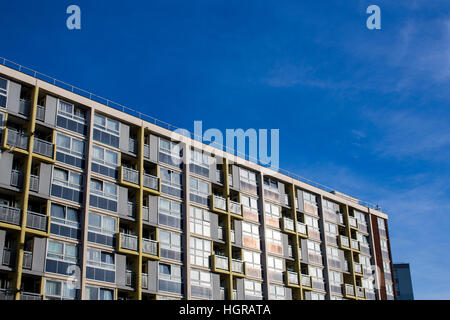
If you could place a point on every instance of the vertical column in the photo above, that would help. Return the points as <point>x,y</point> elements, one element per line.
<point>139,213</point>
<point>298,268</point>
<point>228,226</point>
<point>25,194</point>
<point>263,236</point>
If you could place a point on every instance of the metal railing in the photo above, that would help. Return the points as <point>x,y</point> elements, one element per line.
<point>130,175</point>
<point>128,241</point>
<point>40,113</point>
<point>360,292</point>
<point>144,281</point>
<point>349,290</point>
<point>221,262</point>
<point>236,208</point>
<point>27,260</point>
<point>17,139</point>
<point>145,213</point>
<point>132,146</point>
<point>306,280</point>
<point>288,224</point>
<point>357,267</point>
<point>37,221</point>
<point>34,183</point>
<point>24,107</point>
<point>292,277</point>
<point>30,296</point>
<point>17,178</point>
<point>151,182</point>
<point>43,147</point>
<point>129,278</point>
<point>9,257</point>
<point>150,246</point>
<point>6,294</point>
<point>237,266</point>
<point>301,228</point>
<point>233,236</point>
<point>220,234</point>
<point>220,203</point>
<point>109,103</point>
<point>10,214</point>
<point>352,222</point>
<point>344,241</point>
<point>355,244</point>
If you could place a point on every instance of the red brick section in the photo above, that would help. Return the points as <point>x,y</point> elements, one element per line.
<point>390,258</point>
<point>379,257</point>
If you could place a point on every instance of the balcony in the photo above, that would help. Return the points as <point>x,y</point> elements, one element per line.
<point>353,222</point>
<point>150,247</point>
<point>132,146</point>
<point>6,294</point>
<point>344,242</point>
<point>130,175</point>
<point>237,266</point>
<point>9,257</point>
<point>144,281</point>
<point>290,252</point>
<point>360,292</point>
<point>349,290</point>
<point>17,140</point>
<point>232,236</point>
<point>40,113</point>
<point>24,107</point>
<point>355,244</point>
<point>220,234</point>
<point>27,260</point>
<point>129,278</point>
<point>10,215</point>
<point>131,211</point>
<point>306,281</point>
<point>288,224</point>
<point>151,182</point>
<point>357,268</point>
<point>34,183</point>
<point>30,296</point>
<point>222,293</point>
<point>220,203</point>
<point>219,178</point>
<point>302,228</point>
<point>17,178</point>
<point>292,277</point>
<point>44,148</point>
<point>128,241</point>
<point>145,213</point>
<point>220,262</point>
<point>37,221</point>
<point>235,208</point>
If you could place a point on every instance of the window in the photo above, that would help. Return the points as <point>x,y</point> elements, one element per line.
<point>199,191</point>
<point>331,228</point>
<point>381,224</point>
<point>169,278</point>
<point>95,293</point>
<point>200,252</point>
<point>170,243</point>
<point>277,292</point>
<point>67,185</point>
<point>253,289</point>
<point>200,221</point>
<point>101,229</point>
<point>315,272</point>
<point>247,176</point>
<point>201,285</point>
<point>59,290</point>
<point>250,203</point>
<point>275,268</point>
<point>171,182</point>
<point>106,130</point>
<point>333,252</point>
<point>170,152</point>
<point>65,221</point>
<point>335,277</point>
<point>272,210</point>
<point>105,161</point>
<point>70,150</point>
<point>271,184</point>
<point>200,163</point>
<point>273,236</point>
<point>3,92</point>
<point>387,266</point>
<point>100,265</point>
<point>361,217</point>
<point>61,256</point>
<point>71,118</point>
<point>314,247</point>
<point>384,245</point>
<point>317,296</point>
<point>250,235</point>
<point>309,197</point>
<point>312,222</point>
<point>252,259</point>
<point>389,289</point>
<point>103,195</point>
<point>169,213</point>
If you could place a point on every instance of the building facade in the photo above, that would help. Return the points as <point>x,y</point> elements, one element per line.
<point>403,282</point>
<point>96,204</point>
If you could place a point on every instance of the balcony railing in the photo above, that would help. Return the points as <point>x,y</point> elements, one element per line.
<point>145,213</point>
<point>6,294</point>
<point>10,215</point>
<point>306,280</point>
<point>150,246</point>
<point>17,178</point>
<point>34,183</point>
<point>301,228</point>
<point>151,182</point>
<point>219,178</point>
<point>132,146</point>
<point>233,238</point>
<point>146,151</point>
<point>237,266</point>
<point>37,221</point>
<point>131,212</point>
<point>236,208</point>
<point>230,179</point>
<point>290,251</point>
<point>128,241</point>
<point>357,268</point>
<point>9,257</point>
<point>220,234</point>
<point>352,222</point>
<point>292,277</point>
<point>222,293</point>
<point>221,262</point>
<point>130,175</point>
<point>17,140</point>
<point>355,244</point>
<point>43,147</point>
<point>144,281</point>
<point>349,290</point>
<point>30,296</point>
<point>344,241</point>
<point>288,224</point>
<point>24,107</point>
<point>220,203</point>
<point>27,260</point>
<point>360,292</point>
<point>129,278</point>
<point>40,113</point>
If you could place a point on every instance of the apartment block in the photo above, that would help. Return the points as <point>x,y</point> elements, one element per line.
<point>96,204</point>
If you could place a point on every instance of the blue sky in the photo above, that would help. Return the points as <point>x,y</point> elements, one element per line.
<point>365,112</point>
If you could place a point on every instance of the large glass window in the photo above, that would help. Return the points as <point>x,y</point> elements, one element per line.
<point>103,195</point>
<point>199,191</point>
<point>3,92</point>
<point>272,210</point>
<point>253,290</point>
<point>67,184</point>
<point>105,161</point>
<point>106,130</point>
<point>61,256</point>
<point>199,163</point>
<point>201,284</point>
<point>247,176</point>
<point>170,213</point>
<point>200,251</point>
<point>170,244</point>
<point>71,118</point>
<point>65,221</point>
<point>250,203</point>
<point>100,265</point>
<point>101,229</point>
<point>70,150</point>
<point>200,221</point>
<point>96,293</point>
<point>275,268</point>
<point>277,292</point>
<point>171,182</point>
<point>169,278</point>
<point>170,152</point>
<point>250,235</point>
<point>59,290</point>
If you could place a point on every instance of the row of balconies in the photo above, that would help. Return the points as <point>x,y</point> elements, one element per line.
<point>8,294</point>
<point>13,215</point>
<point>130,242</point>
<point>220,203</point>
<point>21,140</point>
<point>132,176</point>
<point>221,263</point>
